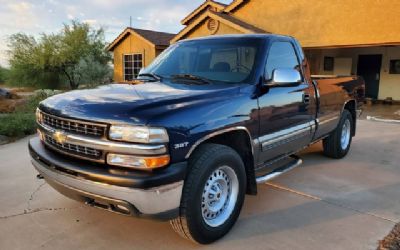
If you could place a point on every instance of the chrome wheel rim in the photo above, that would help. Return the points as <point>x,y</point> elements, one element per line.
<point>345,138</point>
<point>219,196</point>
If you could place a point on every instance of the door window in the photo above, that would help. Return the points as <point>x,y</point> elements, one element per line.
<point>281,55</point>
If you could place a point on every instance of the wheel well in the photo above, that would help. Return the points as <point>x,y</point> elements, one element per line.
<point>239,140</point>
<point>351,107</point>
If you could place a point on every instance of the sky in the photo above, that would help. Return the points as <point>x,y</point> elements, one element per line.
<point>47,16</point>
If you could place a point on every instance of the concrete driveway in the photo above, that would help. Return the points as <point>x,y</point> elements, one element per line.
<point>325,204</point>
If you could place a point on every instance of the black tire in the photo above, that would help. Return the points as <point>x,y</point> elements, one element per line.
<point>332,144</point>
<point>207,159</point>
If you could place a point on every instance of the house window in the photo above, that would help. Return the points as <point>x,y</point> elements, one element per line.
<point>394,67</point>
<point>133,63</point>
<point>329,63</point>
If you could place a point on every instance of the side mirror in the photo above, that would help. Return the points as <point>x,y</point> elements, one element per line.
<point>284,78</point>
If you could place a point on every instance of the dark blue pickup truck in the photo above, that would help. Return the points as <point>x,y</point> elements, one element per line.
<point>209,119</point>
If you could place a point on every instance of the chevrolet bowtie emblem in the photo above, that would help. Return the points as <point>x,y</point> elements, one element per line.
<point>60,137</point>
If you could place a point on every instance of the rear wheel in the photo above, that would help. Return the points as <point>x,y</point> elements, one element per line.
<point>337,144</point>
<point>213,194</point>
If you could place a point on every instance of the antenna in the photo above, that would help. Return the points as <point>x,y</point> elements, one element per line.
<point>130,21</point>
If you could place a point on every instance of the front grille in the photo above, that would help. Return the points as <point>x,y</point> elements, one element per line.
<point>73,126</point>
<point>82,151</point>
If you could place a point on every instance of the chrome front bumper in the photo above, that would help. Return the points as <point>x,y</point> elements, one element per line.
<point>151,202</point>
<point>158,202</point>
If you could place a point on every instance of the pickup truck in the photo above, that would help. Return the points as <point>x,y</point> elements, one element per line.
<point>210,118</point>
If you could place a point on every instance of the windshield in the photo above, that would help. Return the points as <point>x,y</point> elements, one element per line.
<point>230,60</point>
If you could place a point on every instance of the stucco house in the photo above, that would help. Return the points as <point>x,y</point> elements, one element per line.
<point>340,37</point>
<point>134,49</point>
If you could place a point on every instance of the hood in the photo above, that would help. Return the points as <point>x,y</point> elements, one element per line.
<point>134,104</point>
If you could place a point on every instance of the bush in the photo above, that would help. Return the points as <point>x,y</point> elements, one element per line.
<point>27,76</point>
<point>42,94</point>
<point>3,74</point>
<point>23,122</point>
<point>92,73</point>
<point>17,124</point>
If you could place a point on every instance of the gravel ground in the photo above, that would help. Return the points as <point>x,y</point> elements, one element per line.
<point>392,240</point>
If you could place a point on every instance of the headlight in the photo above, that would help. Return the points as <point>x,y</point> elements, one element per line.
<point>139,134</point>
<point>38,116</point>
<point>137,162</point>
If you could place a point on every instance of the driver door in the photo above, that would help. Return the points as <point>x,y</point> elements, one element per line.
<point>285,114</point>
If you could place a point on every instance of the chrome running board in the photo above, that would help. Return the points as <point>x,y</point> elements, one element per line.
<point>297,161</point>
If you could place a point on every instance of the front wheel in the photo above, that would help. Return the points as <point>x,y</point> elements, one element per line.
<point>337,144</point>
<point>213,194</point>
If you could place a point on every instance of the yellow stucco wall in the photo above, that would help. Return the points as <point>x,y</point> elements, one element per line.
<point>202,30</point>
<point>130,45</point>
<point>326,23</point>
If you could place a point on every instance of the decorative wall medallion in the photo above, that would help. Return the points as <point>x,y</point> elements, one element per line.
<point>212,25</point>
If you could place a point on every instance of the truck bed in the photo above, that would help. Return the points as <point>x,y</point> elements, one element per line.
<point>333,91</point>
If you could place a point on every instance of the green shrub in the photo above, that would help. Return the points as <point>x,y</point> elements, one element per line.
<point>28,76</point>
<point>17,124</point>
<point>3,74</point>
<point>22,121</point>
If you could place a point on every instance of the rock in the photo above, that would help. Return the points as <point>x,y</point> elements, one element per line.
<point>9,105</point>
<point>5,93</point>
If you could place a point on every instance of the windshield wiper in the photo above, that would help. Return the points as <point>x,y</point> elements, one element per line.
<point>192,78</point>
<point>152,75</point>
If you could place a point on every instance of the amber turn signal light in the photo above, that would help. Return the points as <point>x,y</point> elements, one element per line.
<point>138,162</point>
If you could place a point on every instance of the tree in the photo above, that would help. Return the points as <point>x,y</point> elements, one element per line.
<point>58,57</point>
<point>28,59</point>
<point>78,43</point>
